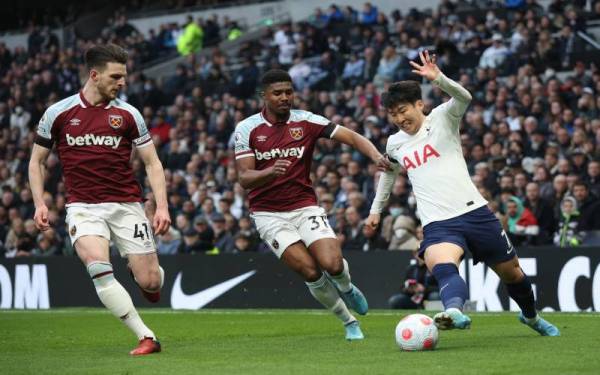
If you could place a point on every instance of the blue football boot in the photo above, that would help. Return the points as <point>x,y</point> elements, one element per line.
<point>542,326</point>
<point>452,318</point>
<point>355,300</point>
<point>353,331</point>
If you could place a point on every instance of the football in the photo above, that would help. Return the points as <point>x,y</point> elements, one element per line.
<point>416,332</point>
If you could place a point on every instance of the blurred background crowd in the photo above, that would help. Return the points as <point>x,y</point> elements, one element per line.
<point>531,136</point>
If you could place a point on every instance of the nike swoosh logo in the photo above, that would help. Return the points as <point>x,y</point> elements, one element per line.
<point>442,288</point>
<point>180,300</point>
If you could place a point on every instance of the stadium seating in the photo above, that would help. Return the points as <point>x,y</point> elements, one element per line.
<point>535,116</point>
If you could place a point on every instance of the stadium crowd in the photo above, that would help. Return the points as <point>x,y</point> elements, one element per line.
<point>531,137</point>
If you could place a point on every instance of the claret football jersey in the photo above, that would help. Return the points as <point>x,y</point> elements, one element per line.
<point>94,146</point>
<point>293,140</point>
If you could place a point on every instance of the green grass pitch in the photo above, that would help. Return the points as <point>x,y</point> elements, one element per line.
<point>91,341</point>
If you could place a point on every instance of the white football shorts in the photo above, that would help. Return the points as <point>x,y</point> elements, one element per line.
<point>282,229</point>
<point>125,224</point>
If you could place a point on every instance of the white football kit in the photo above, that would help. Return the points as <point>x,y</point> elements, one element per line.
<point>434,162</point>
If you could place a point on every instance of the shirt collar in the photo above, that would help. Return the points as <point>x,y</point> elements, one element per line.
<point>85,104</point>
<point>263,113</point>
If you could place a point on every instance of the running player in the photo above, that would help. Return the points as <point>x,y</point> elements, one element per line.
<point>454,215</point>
<point>94,133</point>
<point>273,151</point>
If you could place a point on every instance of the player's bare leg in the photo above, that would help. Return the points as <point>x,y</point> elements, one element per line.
<point>442,260</point>
<point>519,289</point>
<point>147,274</point>
<point>94,253</point>
<point>328,254</point>
<point>297,257</point>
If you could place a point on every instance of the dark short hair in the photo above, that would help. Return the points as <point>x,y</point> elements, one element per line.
<point>274,76</point>
<point>403,92</point>
<point>98,56</point>
<point>581,183</point>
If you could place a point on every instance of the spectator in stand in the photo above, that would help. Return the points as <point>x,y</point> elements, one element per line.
<point>524,114</point>
<point>568,44</point>
<point>568,233</point>
<point>243,243</point>
<point>496,54</point>
<point>223,239</point>
<point>373,239</point>
<point>419,285</point>
<point>404,235</point>
<point>559,187</point>
<point>160,127</point>
<point>388,67</point>
<point>353,238</point>
<point>170,243</point>
<point>543,213</point>
<point>191,39</point>
<point>200,238</point>
<point>47,244</point>
<point>588,207</point>
<point>593,177</point>
<point>368,16</point>
<point>522,224</point>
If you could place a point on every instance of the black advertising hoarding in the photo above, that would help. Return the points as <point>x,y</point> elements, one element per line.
<point>564,279</point>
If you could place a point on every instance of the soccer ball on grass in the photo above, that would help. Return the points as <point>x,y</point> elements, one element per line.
<point>416,332</point>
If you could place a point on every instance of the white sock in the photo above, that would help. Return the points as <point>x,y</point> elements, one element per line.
<point>162,276</point>
<point>324,292</point>
<point>343,279</point>
<point>116,299</point>
<point>533,320</point>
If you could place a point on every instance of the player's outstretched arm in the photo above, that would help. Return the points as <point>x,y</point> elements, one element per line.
<point>384,187</point>
<point>461,97</point>
<point>36,184</point>
<point>156,176</point>
<point>363,145</point>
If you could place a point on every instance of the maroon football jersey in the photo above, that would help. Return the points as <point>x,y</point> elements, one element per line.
<point>293,140</point>
<point>94,146</point>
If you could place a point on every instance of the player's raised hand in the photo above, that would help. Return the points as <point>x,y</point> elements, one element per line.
<point>373,220</point>
<point>429,69</point>
<point>280,167</point>
<point>41,218</point>
<point>161,221</point>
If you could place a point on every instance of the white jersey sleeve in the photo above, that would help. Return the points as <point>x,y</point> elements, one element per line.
<point>44,129</point>
<point>384,186</point>
<point>454,108</point>
<point>44,136</point>
<point>242,136</point>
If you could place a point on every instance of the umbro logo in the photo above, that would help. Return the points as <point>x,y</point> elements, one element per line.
<point>74,121</point>
<point>261,138</point>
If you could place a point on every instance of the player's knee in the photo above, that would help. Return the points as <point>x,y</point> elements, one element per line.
<point>512,277</point>
<point>509,272</point>
<point>333,265</point>
<point>149,281</point>
<point>311,274</point>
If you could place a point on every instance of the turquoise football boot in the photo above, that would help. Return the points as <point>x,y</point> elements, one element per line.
<point>541,326</point>
<point>353,331</point>
<point>355,300</point>
<point>452,318</point>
